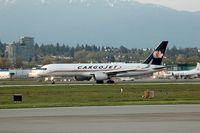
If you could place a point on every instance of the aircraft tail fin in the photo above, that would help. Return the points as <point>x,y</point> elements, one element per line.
<point>198,66</point>
<point>155,58</point>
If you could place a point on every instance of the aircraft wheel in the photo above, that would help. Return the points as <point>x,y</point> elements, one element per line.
<point>52,82</point>
<point>110,82</point>
<point>99,82</point>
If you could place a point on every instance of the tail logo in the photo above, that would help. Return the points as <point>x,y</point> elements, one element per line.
<point>157,54</point>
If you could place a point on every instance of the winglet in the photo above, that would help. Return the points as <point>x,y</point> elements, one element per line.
<point>155,58</point>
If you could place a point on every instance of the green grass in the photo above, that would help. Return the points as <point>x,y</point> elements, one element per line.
<point>20,82</point>
<point>98,95</point>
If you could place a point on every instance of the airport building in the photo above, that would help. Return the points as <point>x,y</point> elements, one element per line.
<point>180,67</point>
<point>23,50</point>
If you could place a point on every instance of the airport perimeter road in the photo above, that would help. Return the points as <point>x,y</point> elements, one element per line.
<point>113,119</point>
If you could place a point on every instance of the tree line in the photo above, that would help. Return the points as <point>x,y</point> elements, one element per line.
<point>57,53</point>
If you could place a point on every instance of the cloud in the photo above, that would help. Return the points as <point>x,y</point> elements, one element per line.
<point>69,1</point>
<point>46,1</point>
<point>6,2</point>
<point>112,3</point>
<point>43,1</point>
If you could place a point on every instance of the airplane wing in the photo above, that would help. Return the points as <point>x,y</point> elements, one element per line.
<point>144,69</point>
<point>114,72</point>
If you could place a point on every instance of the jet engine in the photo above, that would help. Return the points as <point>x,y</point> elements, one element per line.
<point>99,76</point>
<point>82,78</point>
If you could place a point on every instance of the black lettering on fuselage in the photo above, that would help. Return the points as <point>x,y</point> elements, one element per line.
<point>115,67</point>
<point>110,67</point>
<point>90,67</point>
<point>99,67</point>
<point>85,67</point>
<point>106,67</point>
<point>95,67</point>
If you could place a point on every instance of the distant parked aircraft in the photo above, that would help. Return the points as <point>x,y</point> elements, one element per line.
<point>187,74</point>
<point>105,71</point>
<point>4,74</point>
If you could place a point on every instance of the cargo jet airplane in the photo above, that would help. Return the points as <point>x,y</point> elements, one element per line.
<point>105,71</point>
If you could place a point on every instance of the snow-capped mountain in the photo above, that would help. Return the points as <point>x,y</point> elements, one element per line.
<point>101,22</point>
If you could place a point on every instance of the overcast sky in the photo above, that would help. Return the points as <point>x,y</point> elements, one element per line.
<point>188,5</point>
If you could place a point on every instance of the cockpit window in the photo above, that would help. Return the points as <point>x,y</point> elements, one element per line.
<point>43,68</point>
<point>39,68</point>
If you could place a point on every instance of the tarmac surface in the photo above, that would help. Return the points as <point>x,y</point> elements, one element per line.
<point>104,119</point>
<point>140,82</point>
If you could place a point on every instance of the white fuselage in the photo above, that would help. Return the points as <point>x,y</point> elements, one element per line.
<point>113,69</point>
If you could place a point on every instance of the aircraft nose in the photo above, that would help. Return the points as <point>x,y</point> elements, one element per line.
<point>40,73</point>
<point>35,73</point>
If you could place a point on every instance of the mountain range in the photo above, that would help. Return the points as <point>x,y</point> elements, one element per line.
<point>101,22</point>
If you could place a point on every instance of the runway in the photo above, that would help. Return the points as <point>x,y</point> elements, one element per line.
<point>157,82</point>
<point>112,119</point>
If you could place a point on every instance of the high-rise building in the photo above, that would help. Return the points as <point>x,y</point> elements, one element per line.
<point>23,50</point>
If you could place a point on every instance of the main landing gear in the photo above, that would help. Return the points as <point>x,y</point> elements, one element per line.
<point>99,81</point>
<point>108,81</point>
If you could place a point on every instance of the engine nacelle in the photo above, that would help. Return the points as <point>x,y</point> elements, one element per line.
<point>99,76</point>
<point>82,78</point>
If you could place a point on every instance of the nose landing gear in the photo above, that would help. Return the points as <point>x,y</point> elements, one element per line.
<point>52,82</point>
